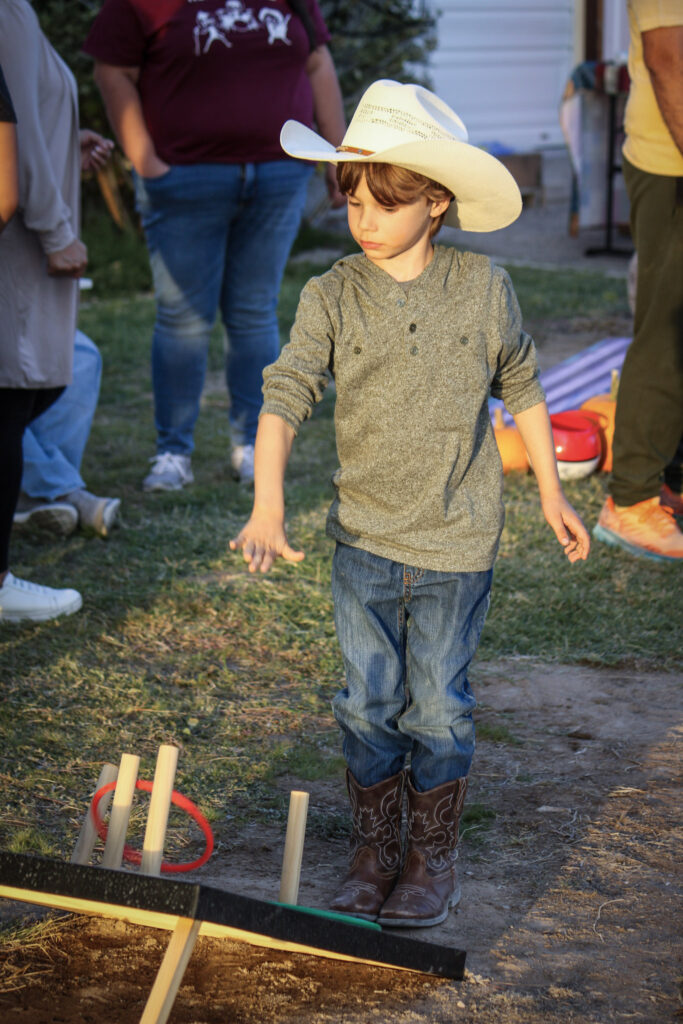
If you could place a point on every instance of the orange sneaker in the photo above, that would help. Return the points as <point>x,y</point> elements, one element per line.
<point>645,529</point>
<point>670,501</point>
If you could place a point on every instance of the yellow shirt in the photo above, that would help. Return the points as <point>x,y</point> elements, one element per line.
<point>649,144</point>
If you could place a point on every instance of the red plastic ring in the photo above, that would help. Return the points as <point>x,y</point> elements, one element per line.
<point>135,856</point>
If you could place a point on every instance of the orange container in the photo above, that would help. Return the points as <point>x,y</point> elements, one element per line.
<point>602,410</point>
<point>510,445</point>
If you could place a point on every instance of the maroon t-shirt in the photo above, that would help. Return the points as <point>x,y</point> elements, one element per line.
<point>218,78</point>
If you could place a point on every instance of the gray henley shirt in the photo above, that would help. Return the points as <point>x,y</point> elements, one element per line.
<point>420,478</point>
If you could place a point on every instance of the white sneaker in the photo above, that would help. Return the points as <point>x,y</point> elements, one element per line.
<point>22,601</point>
<point>170,472</point>
<point>242,463</point>
<point>34,515</point>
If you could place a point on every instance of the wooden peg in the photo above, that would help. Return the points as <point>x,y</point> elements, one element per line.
<point>294,847</point>
<point>120,811</point>
<point>159,806</point>
<point>87,838</point>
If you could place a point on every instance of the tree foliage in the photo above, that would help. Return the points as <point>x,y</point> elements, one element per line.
<point>374,39</point>
<point>66,23</point>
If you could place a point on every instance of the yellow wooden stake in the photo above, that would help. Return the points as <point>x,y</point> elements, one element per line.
<point>120,811</point>
<point>88,834</point>
<point>294,847</point>
<point>159,806</point>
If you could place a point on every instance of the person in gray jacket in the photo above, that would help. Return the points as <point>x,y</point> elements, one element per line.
<point>41,258</point>
<point>417,337</point>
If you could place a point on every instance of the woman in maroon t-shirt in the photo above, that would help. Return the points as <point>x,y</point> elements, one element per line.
<point>197,92</point>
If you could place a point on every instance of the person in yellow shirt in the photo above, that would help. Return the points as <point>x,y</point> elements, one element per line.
<point>644,498</point>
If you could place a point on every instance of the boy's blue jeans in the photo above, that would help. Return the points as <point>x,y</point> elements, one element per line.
<point>219,236</point>
<point>407,637</point>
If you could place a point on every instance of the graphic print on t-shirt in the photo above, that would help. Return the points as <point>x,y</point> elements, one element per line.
<point>235,17</point>
<point>205,25</point>
<point>276,23</point>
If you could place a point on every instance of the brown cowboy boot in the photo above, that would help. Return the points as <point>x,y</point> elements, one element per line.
<point>428,885</point>
<point>375,858</point>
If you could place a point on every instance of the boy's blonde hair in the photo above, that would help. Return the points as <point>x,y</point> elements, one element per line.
<point>390,185</point>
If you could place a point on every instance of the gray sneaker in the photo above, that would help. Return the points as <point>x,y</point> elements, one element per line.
<point>242,463</point>
<point>35,515</point>
<point>170,472</point>
<point>95,514</point>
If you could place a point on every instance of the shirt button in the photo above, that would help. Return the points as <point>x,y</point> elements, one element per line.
<point>414,350</point>
<point>357,349</point>
<point>400,302</point>
<point>412,328</point>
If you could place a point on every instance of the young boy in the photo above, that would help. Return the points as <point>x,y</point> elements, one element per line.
<point>416,338</point>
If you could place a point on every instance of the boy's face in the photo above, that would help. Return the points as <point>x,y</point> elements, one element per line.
<point>396,238</point>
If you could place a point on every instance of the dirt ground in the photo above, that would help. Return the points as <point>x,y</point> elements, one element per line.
<point>570,898</point>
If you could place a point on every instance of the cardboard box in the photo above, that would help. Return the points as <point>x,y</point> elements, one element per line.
<point>527,170</point>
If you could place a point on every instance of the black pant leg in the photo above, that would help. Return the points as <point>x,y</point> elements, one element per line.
<point>18,407</point>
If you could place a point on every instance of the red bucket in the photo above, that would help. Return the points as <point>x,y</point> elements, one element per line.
<point>576,437</point>
<point>578,446</point>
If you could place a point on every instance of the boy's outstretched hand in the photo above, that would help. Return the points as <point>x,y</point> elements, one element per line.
<point>262,540</point>
<point>567,526</point>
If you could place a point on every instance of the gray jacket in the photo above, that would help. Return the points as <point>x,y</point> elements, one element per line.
<point>420,479</point>
<point>38,312</point>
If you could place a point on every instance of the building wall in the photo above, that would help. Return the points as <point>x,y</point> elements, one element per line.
<point>614,30</point>
<point>503,66</point>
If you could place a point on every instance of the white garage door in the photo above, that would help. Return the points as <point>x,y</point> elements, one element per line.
<point>503,65</point>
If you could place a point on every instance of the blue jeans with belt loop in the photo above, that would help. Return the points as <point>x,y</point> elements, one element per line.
<point>219,236</point>
<point>407,637</point>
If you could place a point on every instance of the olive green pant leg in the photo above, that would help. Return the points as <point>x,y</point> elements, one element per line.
<point>649,416</point>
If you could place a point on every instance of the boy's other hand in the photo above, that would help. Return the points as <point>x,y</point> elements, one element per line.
<point>567,526</point>
<point>262,541</point>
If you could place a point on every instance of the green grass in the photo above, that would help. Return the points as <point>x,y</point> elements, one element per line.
<point>495,732</point>
<point>567,293</point>
<point>476,819</point>
<point>177,643</point>
<point>117,260</point>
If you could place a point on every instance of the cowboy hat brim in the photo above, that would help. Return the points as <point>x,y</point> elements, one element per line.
<point>487,197</point>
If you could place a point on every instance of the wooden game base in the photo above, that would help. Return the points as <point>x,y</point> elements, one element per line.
<point>201,909</point>
<point>189,909</point>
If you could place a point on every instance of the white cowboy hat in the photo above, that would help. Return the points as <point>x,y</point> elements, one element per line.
<point>409,126</point>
